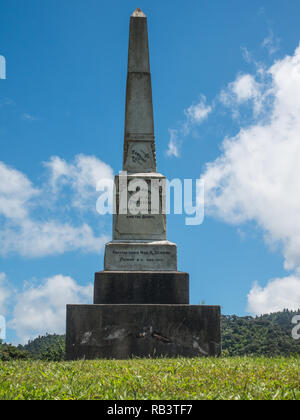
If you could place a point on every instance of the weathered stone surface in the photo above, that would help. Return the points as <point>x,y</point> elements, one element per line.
<point>138,51</point>
<point>125,331</point>
<point>148,220</point>
<point>140,256</point>
<point>139,110</point>
<point>139,123</point>
<point>140,155</point>
<point>138,13</point>
<point>141,287</point>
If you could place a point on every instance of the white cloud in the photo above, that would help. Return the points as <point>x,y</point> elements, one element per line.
<point>247,56</point>
<point>196,114</point>
<point>248,90</point>
<point>41,309</point>
<point>29,117</point>
<point>271,43</point>
<point>28,229</point>
<point>2,67</point>
<point>4,293</point>
<point>33,239</point>
<point>6,102</point>
<point>16,191</point>
<point>279,294</point>
<point>59,171</point>
<point>245,88</point>
<point>256,178</point>
<point>173,148</point>
<point>82,175</point>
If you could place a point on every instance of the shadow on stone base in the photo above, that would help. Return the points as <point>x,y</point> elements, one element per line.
<point>127,331</point>
<point>141,287</point>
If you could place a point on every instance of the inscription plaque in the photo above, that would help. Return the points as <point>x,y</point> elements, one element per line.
<point>157,256</point>
<point>147,224</point>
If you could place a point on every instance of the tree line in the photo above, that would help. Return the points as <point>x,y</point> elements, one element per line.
<point>266,335</point>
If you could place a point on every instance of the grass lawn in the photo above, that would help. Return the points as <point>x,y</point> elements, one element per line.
<point>225,378</point>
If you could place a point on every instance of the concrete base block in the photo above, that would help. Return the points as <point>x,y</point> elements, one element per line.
<point>141,287</point>
<point>127,331</point>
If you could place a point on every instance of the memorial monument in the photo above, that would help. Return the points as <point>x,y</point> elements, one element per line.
<point>141,302</point>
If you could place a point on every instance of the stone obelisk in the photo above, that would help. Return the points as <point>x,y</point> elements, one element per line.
<point>140,240</point>
<point>141,302</point>
<point>139,122</point>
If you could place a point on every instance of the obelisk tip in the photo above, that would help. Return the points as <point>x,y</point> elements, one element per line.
<point>138,13</point>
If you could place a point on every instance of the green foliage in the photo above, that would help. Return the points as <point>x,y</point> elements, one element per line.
<point>9,352</point>
<point>50,348</point>
<point>267,335</point>
<point>54,354</point>
<point>242,378</point>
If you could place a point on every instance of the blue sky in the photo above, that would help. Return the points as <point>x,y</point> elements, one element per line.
<point>62,120</point>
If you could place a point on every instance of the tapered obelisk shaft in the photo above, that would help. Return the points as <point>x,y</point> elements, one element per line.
<point>139,142</point>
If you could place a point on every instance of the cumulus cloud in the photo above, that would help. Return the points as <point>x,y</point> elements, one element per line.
<point>82,175</point>
<point>28,229</point>
<point>16,191</point>
<point>34,239</point>
<point>254,90</point>
<point>279,294</point>
<point>41,309</point>
<point>195,115</point>
<point>256,178</point>
<point>243,88</point>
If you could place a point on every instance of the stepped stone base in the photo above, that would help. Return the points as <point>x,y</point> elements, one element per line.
<point>127,331</point>
<point>141,287</point>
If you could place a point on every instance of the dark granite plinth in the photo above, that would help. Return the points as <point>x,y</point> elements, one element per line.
<point>141,287</point>
<point>126,331</point>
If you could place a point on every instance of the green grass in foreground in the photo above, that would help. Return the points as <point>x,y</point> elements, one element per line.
<point>225,378</point>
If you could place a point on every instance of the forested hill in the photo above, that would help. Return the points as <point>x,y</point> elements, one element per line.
<point>42,347</point>
<point>267,335</point>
